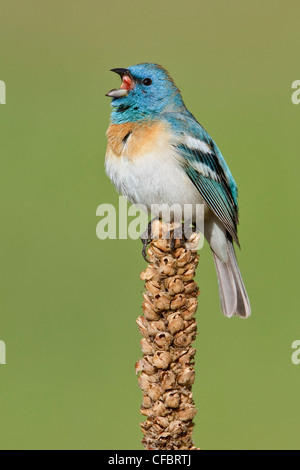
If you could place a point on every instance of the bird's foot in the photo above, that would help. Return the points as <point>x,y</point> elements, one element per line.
<point>146,239</point>
<point>182,233</point>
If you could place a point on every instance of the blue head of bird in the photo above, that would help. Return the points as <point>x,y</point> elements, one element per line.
<point>146,91</point>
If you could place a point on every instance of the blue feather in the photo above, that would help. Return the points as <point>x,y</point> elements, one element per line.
<point>206,168</point>
<point>184,124</point>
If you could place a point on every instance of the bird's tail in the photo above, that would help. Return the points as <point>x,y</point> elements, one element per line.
<point>233,295</point>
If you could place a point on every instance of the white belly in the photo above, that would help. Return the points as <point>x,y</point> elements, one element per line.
<point>152,180</point>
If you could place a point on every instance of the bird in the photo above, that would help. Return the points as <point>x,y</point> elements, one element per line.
<point>158,153</point>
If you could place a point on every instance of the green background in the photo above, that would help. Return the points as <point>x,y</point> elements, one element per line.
<point>68,300</point>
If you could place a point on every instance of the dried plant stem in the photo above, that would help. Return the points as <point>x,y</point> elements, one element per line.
<point>168,327</point>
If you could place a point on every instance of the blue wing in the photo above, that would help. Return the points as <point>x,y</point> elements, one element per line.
<point>205,166</point>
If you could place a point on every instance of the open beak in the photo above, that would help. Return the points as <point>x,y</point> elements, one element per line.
<point>127,84</point>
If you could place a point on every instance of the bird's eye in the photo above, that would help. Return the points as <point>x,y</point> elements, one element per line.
<point>147,81</point>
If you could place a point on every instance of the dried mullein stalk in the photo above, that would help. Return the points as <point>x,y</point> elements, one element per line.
<point>166,371</point>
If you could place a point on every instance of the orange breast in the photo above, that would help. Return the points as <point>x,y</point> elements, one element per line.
<point>132,140</point>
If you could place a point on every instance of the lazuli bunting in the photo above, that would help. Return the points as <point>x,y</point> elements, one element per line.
<point>158,153</point>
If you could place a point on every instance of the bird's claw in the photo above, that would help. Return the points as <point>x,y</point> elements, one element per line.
<point>181,233</point>
<point>145,242</point>
<point>146,239</point>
